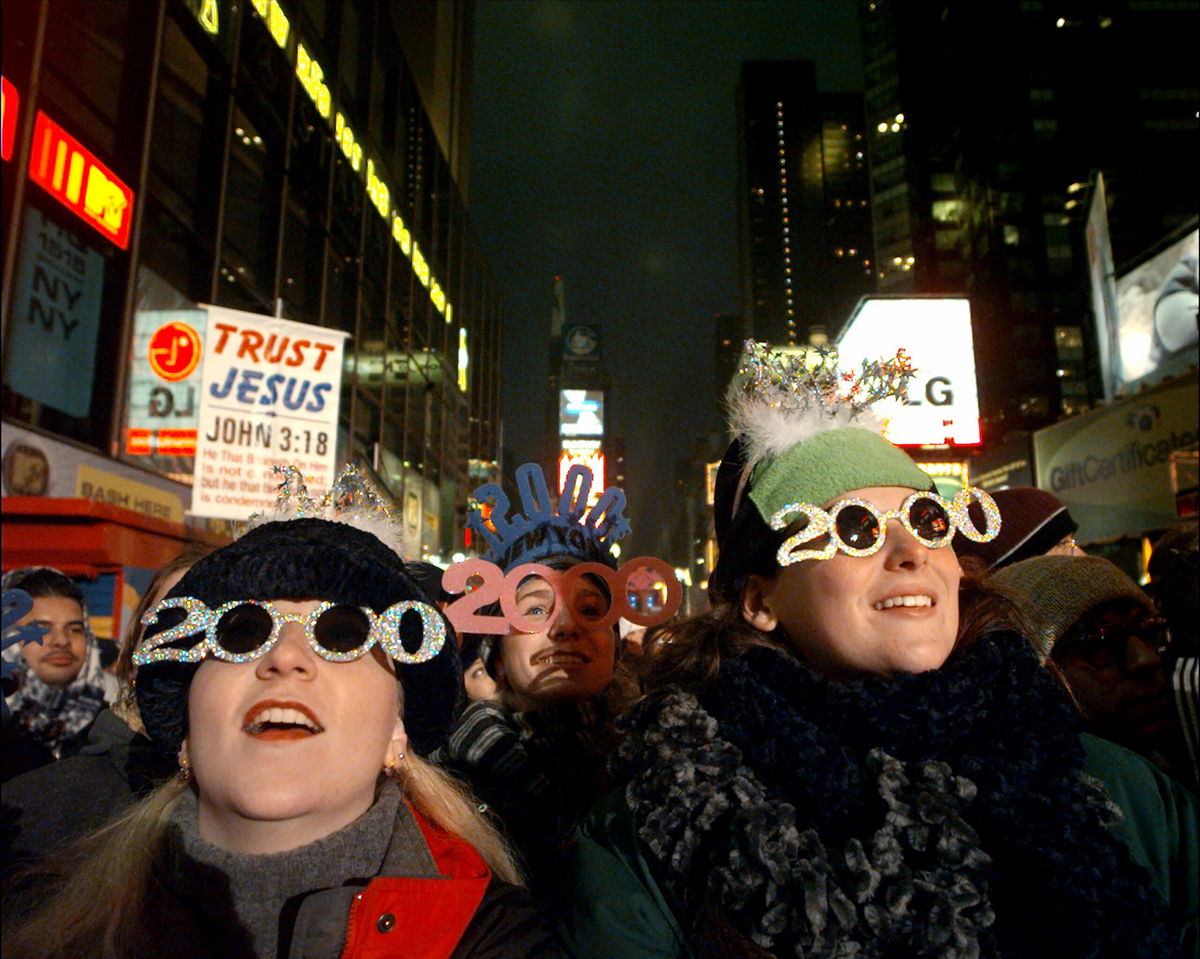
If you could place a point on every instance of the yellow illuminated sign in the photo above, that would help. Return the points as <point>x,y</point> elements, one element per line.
<point>345,138</point>
<point>420,267</point>
<point>401,235</point>
<point>463,359</point>
<point>437,296</point>
<point>209,16</point>
<point>378,192</point>
<point>276,20</point>
<point>312,79</point>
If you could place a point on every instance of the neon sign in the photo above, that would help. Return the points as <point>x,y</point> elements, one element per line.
<point>9,102</point>
<point>312,79</point>
<point>72,174</point>
<point>378,192</point>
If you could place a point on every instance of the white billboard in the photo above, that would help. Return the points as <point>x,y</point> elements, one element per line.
<point>269,396</point>
<point>581,413</point>
<point>943,399</point>
<point>1156,308</point>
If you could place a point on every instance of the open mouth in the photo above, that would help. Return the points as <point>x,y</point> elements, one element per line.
<point>560,659</point>
<point>275,720</point>
<point>907,601</point>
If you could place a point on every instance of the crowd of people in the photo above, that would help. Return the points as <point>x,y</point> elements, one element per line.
<point>907,725</point>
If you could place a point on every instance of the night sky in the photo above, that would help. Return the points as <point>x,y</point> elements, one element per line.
<point>603,149</point>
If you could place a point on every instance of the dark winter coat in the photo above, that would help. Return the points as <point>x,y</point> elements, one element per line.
<point>55,804</point>
<point>950,813</point>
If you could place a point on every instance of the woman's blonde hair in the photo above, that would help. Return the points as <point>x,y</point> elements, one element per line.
<point>104,885</point>
<point>126,705</point>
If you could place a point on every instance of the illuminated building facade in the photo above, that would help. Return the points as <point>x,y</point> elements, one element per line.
<point>578,387</point>
<point>986,124</point>
<point>803,203</point>
<point>273,156</point>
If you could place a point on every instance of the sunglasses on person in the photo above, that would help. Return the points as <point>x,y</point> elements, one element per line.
<point>859,528</point>
<point>245,629</point>
<point>1106,645</point>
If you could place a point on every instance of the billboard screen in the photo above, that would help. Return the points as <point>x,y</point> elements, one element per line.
<point>1156,317</point>
<point>593,460</point>
<point>943,400</point>
<point>581,413</point>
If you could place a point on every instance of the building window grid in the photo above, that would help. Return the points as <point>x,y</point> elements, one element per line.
<point>446,223</point>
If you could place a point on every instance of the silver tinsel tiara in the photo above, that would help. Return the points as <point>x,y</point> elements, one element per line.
<point>351,499</point>
<point>781,399</point>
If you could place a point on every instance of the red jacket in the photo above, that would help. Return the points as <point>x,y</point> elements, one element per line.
<point>419,918</point>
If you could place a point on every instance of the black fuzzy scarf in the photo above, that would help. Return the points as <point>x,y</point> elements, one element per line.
<point>943,814</point>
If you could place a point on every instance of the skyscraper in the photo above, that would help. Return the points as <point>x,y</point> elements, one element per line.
<point>803,203</point>
<point>986,123</point>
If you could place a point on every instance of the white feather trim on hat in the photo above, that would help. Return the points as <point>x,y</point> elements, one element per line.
<point>781,399</point>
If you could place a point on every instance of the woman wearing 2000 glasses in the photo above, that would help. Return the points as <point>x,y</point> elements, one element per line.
<point>846,757</point>
<point>298,676</point>
<point>538,756</point>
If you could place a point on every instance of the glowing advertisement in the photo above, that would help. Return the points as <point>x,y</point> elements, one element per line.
<point>311,76</point>
<point>581,413</point>
<point>593,459</point>
<point>942,407</point>
<point>10,102</point>
<point>269,397</point>
<point>72,174</point>
<point>164,383</point>
<point>1156,317</point>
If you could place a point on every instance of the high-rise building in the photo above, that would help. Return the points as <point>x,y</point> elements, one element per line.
<point>986,124</point>
<point>293,158</point>
<point>577,390</point>
<point>803,203</point>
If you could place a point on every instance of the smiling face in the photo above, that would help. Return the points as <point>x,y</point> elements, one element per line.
<point>847,617</point>
<point>288,748</point>
<point>59,658</point>
<point>565,660</point>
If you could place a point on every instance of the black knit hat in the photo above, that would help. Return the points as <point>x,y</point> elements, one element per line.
<point>745,543</point>
<point>302,559</point>
<point>1033,521</point>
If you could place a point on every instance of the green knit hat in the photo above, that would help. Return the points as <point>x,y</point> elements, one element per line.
<point>829,463</point>
<point>799,438</point>
<point>1052,593</point>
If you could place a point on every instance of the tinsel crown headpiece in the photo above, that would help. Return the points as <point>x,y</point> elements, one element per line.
<point>550,526</point>
<point>806,431</point>
<point>351,499</point>
<point>779,400</point>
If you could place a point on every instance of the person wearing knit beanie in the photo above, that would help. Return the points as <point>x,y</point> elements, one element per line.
<point>1101,635</point>
<point>849,754</point>
<point>536,750</point>
<point>1034,523</point>
<point>300,674</point>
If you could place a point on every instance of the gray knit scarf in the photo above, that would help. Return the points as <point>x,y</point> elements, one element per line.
<point>941,815</point>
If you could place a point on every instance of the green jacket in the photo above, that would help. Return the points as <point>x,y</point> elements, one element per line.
<point>621,906</point>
